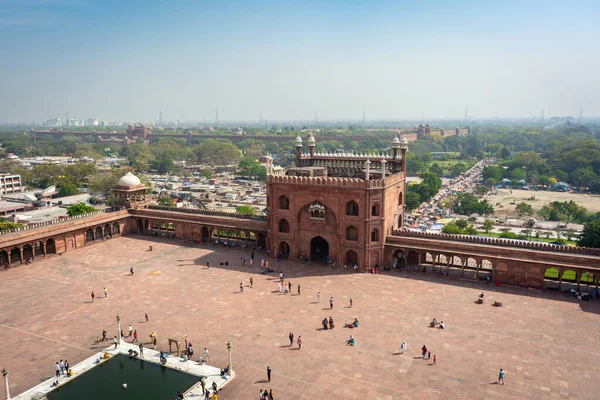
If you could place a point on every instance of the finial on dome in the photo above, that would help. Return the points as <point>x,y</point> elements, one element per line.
<point>311,140</point>
<point>404,143</point>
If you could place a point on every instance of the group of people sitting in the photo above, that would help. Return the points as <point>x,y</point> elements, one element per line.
<point>434,323</point>
<point>325,323</point>
<point>352,325</point>
<point>267,270</point>
<point>133,353</point>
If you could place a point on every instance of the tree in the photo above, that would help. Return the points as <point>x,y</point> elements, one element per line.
<point>523,209</point>
<point>451,229</point>
<point>78,209</point>
<point>480,190</point>
<point>436,169</point>
<point>246,210</point>
<point>471,230</point>
<point>552,181</point>
<point>488,225</point>
<point>68,189</point>
<point>251,168</point>
<point>166,201</point>
<point>590,237</point>
<point>413,200</point>
<point>461,223</point>
<point>458,169</point>
<point>6,225</point>
<point>103,183</point>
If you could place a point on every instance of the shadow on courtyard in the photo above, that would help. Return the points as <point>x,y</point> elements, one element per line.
<point>218,254</point>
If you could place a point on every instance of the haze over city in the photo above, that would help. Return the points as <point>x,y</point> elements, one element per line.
<point>291,60</point>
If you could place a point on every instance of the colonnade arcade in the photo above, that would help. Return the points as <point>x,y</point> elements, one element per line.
<point>538,275</point>
<point>30,251</point>
<point>201,233</point>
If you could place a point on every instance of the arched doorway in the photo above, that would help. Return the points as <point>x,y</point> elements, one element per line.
<point>107,230</point>
<point>27,252</point>
<point>413,258</point>
<point>38,250</point>
<point>89,236</point>
<point>261,240</point>
<point>117,228</point>
<point>204,235</point>
<point>15,255</point>
<point>284,250</point>
<point>140,226</point>
<point>98,233</point>
<point>399,258</point>
<point>4,257</point>
<point>319,249</point>
<point>351,258</point>
<point>50,246</point>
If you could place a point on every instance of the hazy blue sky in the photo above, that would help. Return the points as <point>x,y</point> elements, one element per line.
<point>129,59</point>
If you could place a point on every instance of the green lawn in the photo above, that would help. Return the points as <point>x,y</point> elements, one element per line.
<point>533,238</point>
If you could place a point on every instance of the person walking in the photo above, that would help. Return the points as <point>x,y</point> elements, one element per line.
<point>434,360</point>
<point>131,271</point>
<point>135,336</point>
<point>350,302</point>
<point>103,335</point>
<point>252,257</point>
<point>154,342</point>
<point>331,303</point>
<point>130,328</point>
<point>429,355</point>
<point>115,341</point>
<point>142,349</point>
<point>271,394</point>
<point>93,295</point>
<point>279,287</point>
<point>424,351</point>
<point>205,355</point>
<point>66,367</point>
<point>243,262</point>
<point>105,293</point>
<point>207,264</point>
<point>298,288</point>
<point>318,297</point>
<point>299,342</point>
<point>403,347</point>
<point>269,374</point>
<point>146,315</point>
<point>501,376</point>
<point>61,364</point>
<point>56,369</point>
<point>291,336</point>
<point>241,287</point>
<point>251,282</point>
<point>285,289</point>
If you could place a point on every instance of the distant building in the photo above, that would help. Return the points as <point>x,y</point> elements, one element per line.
<point>10,183</point>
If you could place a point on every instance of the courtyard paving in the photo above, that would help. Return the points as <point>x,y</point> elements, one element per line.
<point>548,343</point>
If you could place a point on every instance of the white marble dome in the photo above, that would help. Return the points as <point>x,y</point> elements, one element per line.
<point>129,179</point>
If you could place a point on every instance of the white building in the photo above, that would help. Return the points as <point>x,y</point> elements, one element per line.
<point>10,183</point>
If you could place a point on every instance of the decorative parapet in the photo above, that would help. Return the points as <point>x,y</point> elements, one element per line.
<point>499,242</point>
<point>207,212</point>
<point>334,181</point>
<point>29,227</point>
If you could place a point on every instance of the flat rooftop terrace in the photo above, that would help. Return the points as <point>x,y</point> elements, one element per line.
<point>548,343</point>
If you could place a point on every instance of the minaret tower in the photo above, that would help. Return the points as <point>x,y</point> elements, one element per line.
<point>311,144</point>
<point>298,150</point>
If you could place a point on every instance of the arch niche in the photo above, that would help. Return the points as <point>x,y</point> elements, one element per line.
<point>117,229</point>
<point>38,249</point>
<point>89,236</point>
<point>284,226</point>
<point>399,259</point>
<point>107,230</point>
<point>4,257</point>
<point>319,248</point>
<point>284,203</point>
<point>351,258</point>
<point>352,208</point>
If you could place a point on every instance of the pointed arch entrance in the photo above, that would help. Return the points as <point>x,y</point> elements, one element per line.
<point>319,248</point>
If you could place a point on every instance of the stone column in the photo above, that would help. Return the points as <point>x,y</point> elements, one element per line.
<point>383,162</point>
<point>229,357</point>
<point>6,390</point>
<point>118,330</point>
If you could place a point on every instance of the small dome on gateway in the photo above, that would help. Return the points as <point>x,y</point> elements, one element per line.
<point>298,141</point>
<point>311,139</point>
<point>129,179</point>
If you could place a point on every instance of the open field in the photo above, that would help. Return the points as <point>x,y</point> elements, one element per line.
<point>548,343</point>
<point>504,197</point>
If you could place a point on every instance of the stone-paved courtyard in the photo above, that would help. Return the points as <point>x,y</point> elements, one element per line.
<point>549,344</point>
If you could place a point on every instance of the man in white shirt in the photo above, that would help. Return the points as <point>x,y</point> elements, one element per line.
<point>205,356</point>
<point>130,330</point>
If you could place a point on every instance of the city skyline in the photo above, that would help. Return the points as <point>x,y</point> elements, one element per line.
<point>335,60</point>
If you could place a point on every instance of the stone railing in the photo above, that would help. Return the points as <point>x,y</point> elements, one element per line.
<point>500,242</point>
<point>207,212</point>
<point>29,227</point>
